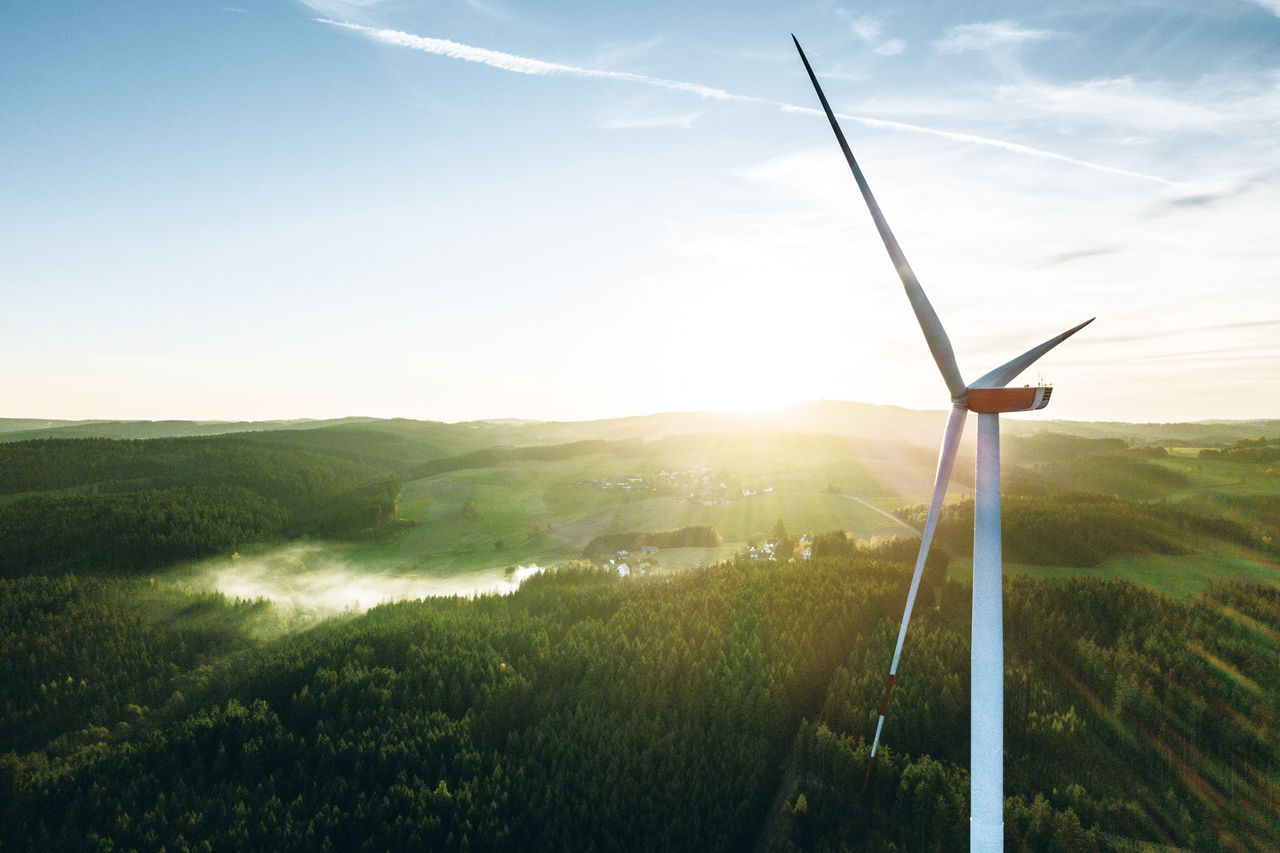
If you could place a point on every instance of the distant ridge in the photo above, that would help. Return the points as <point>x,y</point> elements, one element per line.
<point>1186,434</point>
<point>22,429</point>
<point>834,417</point>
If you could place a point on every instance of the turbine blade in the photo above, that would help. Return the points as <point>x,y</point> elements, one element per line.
<point>934,334</point>
<point>946,461</point>
<point>1005,373</point>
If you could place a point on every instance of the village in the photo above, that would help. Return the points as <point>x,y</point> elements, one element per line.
<point>626,562</point>
<point>701,485</point>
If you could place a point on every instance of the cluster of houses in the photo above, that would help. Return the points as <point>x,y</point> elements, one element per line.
<point>768,551</point>
<point>676,481</point>
<point>626,484</point>
<point>701,485</point>
<point>626,562</point>
<point>622,560</point>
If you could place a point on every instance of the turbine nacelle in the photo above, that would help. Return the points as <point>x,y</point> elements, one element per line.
<point>989,401</point>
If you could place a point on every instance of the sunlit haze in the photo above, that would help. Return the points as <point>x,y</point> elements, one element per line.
<point>467,210</point>
<point>318,581</point>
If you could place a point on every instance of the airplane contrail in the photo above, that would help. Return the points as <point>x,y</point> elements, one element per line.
<point>529,65</point>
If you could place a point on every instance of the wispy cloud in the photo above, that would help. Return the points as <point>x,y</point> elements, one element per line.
<point>987,36</point>
<point>346,9</point>
<point>1208,199</point>
<point>620,53</point>
<point>870,28</point>
<point>528,65</point>
<point>539,67</point>
<point>1119,101</point>
<point>491,11</point>
<point>502,15</point>
<point>1272,6</point>
<point>1012,147</point>
<point>1246,102</point>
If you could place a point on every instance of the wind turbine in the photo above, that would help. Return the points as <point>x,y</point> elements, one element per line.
<point>987,396</point>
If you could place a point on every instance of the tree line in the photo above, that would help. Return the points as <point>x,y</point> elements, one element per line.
<point>684,537</point>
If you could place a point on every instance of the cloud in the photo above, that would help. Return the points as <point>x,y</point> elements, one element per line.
<point>525,64</point>
<point>504,16</point>
<point>538,67</point>
<point>892,47</point>
<point>1272,6</point>
<point>490,11</point>
<point>987,36</point>
<point>1210,198</point>
<point>620,53</point>
<point>870,28</point>
<point>1139,112</point>
<point>1012,147</point>
<point>1124,102</point>
<point>341,8</point>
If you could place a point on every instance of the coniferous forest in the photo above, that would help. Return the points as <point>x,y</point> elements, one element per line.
<point>723,708</point>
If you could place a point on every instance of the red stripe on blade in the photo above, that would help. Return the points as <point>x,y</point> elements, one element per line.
<point>888,688</point>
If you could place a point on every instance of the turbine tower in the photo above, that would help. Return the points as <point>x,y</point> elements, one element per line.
<point>987,396</point>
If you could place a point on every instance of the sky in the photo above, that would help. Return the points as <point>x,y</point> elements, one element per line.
<point>466,209</point>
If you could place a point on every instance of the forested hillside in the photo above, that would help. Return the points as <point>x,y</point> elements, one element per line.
<point>592,712</point>
<point>101,505</point>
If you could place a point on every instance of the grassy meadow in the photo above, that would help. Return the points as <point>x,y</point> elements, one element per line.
<point>544,511</point>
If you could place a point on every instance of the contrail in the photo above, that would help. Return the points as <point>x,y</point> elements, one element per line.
<point>1015,147</point>
<point>529,65</point>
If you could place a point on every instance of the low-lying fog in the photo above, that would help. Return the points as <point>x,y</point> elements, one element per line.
<point>314,579</point>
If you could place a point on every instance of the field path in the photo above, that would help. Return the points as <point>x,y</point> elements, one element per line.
<point>887,515</point>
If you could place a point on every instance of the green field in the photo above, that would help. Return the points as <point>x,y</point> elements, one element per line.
<point>1242,494</point>
<point>544,512</point>
<point>536,511</point>
<point>1178,575</point>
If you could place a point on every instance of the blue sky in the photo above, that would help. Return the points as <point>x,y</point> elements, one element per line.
<point>457,210</point>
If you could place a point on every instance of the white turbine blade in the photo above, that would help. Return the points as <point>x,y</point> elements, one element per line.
<point>1003,374</point>
<point>934,334</point>
<point>946,460</point>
